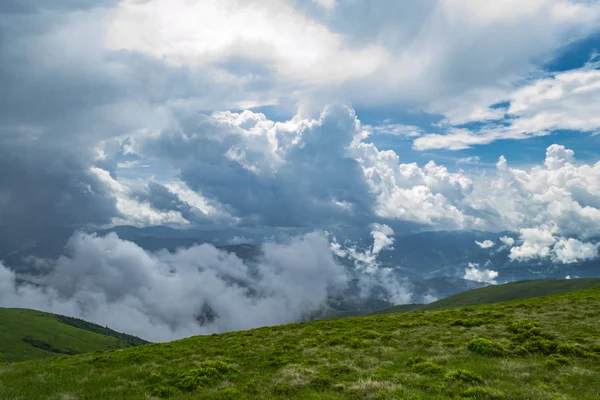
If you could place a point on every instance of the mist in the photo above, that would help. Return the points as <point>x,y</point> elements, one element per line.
<point>164,295</point>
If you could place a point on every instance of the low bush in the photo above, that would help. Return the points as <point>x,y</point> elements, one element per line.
<point>556,361</point>
<point>486,347</point>
<point>464,376</point>
<point>427,368</point>
<point>480,393</point>
<point>469,322</point>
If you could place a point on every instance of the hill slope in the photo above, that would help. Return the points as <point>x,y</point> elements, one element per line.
<point>29,334</point>
<point>497,293</point>
<point>539,349</point>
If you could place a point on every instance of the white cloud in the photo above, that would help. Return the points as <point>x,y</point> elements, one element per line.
<point>381,237</point>
<point>507,241</point>
<point>572,250</point>
<point>542,243</point>
<point>410,193</point>
<point>536,243</point>
<point>473,273</point>
<point>566,100</point>
<point>134,212</point>
<point>562,193</point>
<point>273,33</point>
<point>162,296</point>
<point>486,244</point>
<point>409,131</point>
<point>364,52</point>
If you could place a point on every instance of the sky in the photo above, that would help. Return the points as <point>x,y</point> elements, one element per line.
<point>303,116</point>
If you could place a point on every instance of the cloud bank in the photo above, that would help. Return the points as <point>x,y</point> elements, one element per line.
<point>163,296</point>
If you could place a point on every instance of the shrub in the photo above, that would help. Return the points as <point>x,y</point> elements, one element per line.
<point>556,361</point>
<point>283,389</point>
<point>463,375</point>
<point>427,368</point>
<point>480,393</point>
<point>539,345</point>
<point>486,347</point>
<point>321,382</point>
<point>228,394</point>
<point>526,328</point>
<point>414,360</point>
<point>207,374</point>
<point>569,349</point>
<point>469,322</point>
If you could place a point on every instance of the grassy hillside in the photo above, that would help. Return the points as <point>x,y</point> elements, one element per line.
<point>538,349</point>
<point>497,293</point>
<point>29,334</point>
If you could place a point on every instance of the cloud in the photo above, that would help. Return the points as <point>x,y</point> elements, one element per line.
<point>542,243</point>
<point>563,101</point>
<point>381,237</point>
<point>269,32</point>
<point>319,52</point>
<point>473,273</point>
<point>536,243</point>
<point>507,241</point>
<point>163,296</point>
<point>572,250</point>
<point>401,130</point>
<point>486,244</point>
<point>133,211</point>
<point>290,173</point>
<point>562,194</point>
<point>410,193</point>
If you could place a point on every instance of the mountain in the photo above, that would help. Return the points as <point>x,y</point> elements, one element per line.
<point>540,348</point>
<point>424,255</point>
<point>498,293</point>
<point>28,334</point>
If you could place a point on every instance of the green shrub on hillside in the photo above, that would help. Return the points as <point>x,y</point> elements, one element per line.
<point>427,368</point>
<point>468,322</point>
<point>486,347</point>
<point>556,360</point>
<point>463,376</point>
<point>480,393</point>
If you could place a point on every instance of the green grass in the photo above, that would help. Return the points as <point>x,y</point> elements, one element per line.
<point>537,349</point>
<point>29,334</point>
<point>498,293</point>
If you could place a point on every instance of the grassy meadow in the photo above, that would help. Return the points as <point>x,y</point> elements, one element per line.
<point>540,349</point>
<point>29,334</point>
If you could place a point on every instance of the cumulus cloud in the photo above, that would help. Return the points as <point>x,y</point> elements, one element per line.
<point>562,196</point>
<point>381,237</point>
<point>572,250</point>
<point>486,244</point>
<point>507,241</point>
<point>163,296</point>
<point>535,243</point>
<point>474,273</point>
<point>542,243</point>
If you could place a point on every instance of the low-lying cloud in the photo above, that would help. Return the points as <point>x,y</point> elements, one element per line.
<point>163,296</point>
<point>474,273</point>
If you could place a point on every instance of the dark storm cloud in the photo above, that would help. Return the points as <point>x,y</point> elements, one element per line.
<point>310,182</point>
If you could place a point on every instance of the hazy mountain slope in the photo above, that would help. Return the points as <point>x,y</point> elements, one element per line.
<point>499,293</point>
<point>526,349</point>
<point>30,334</point>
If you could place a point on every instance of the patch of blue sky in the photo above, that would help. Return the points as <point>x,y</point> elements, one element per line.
<point>574,55</point>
